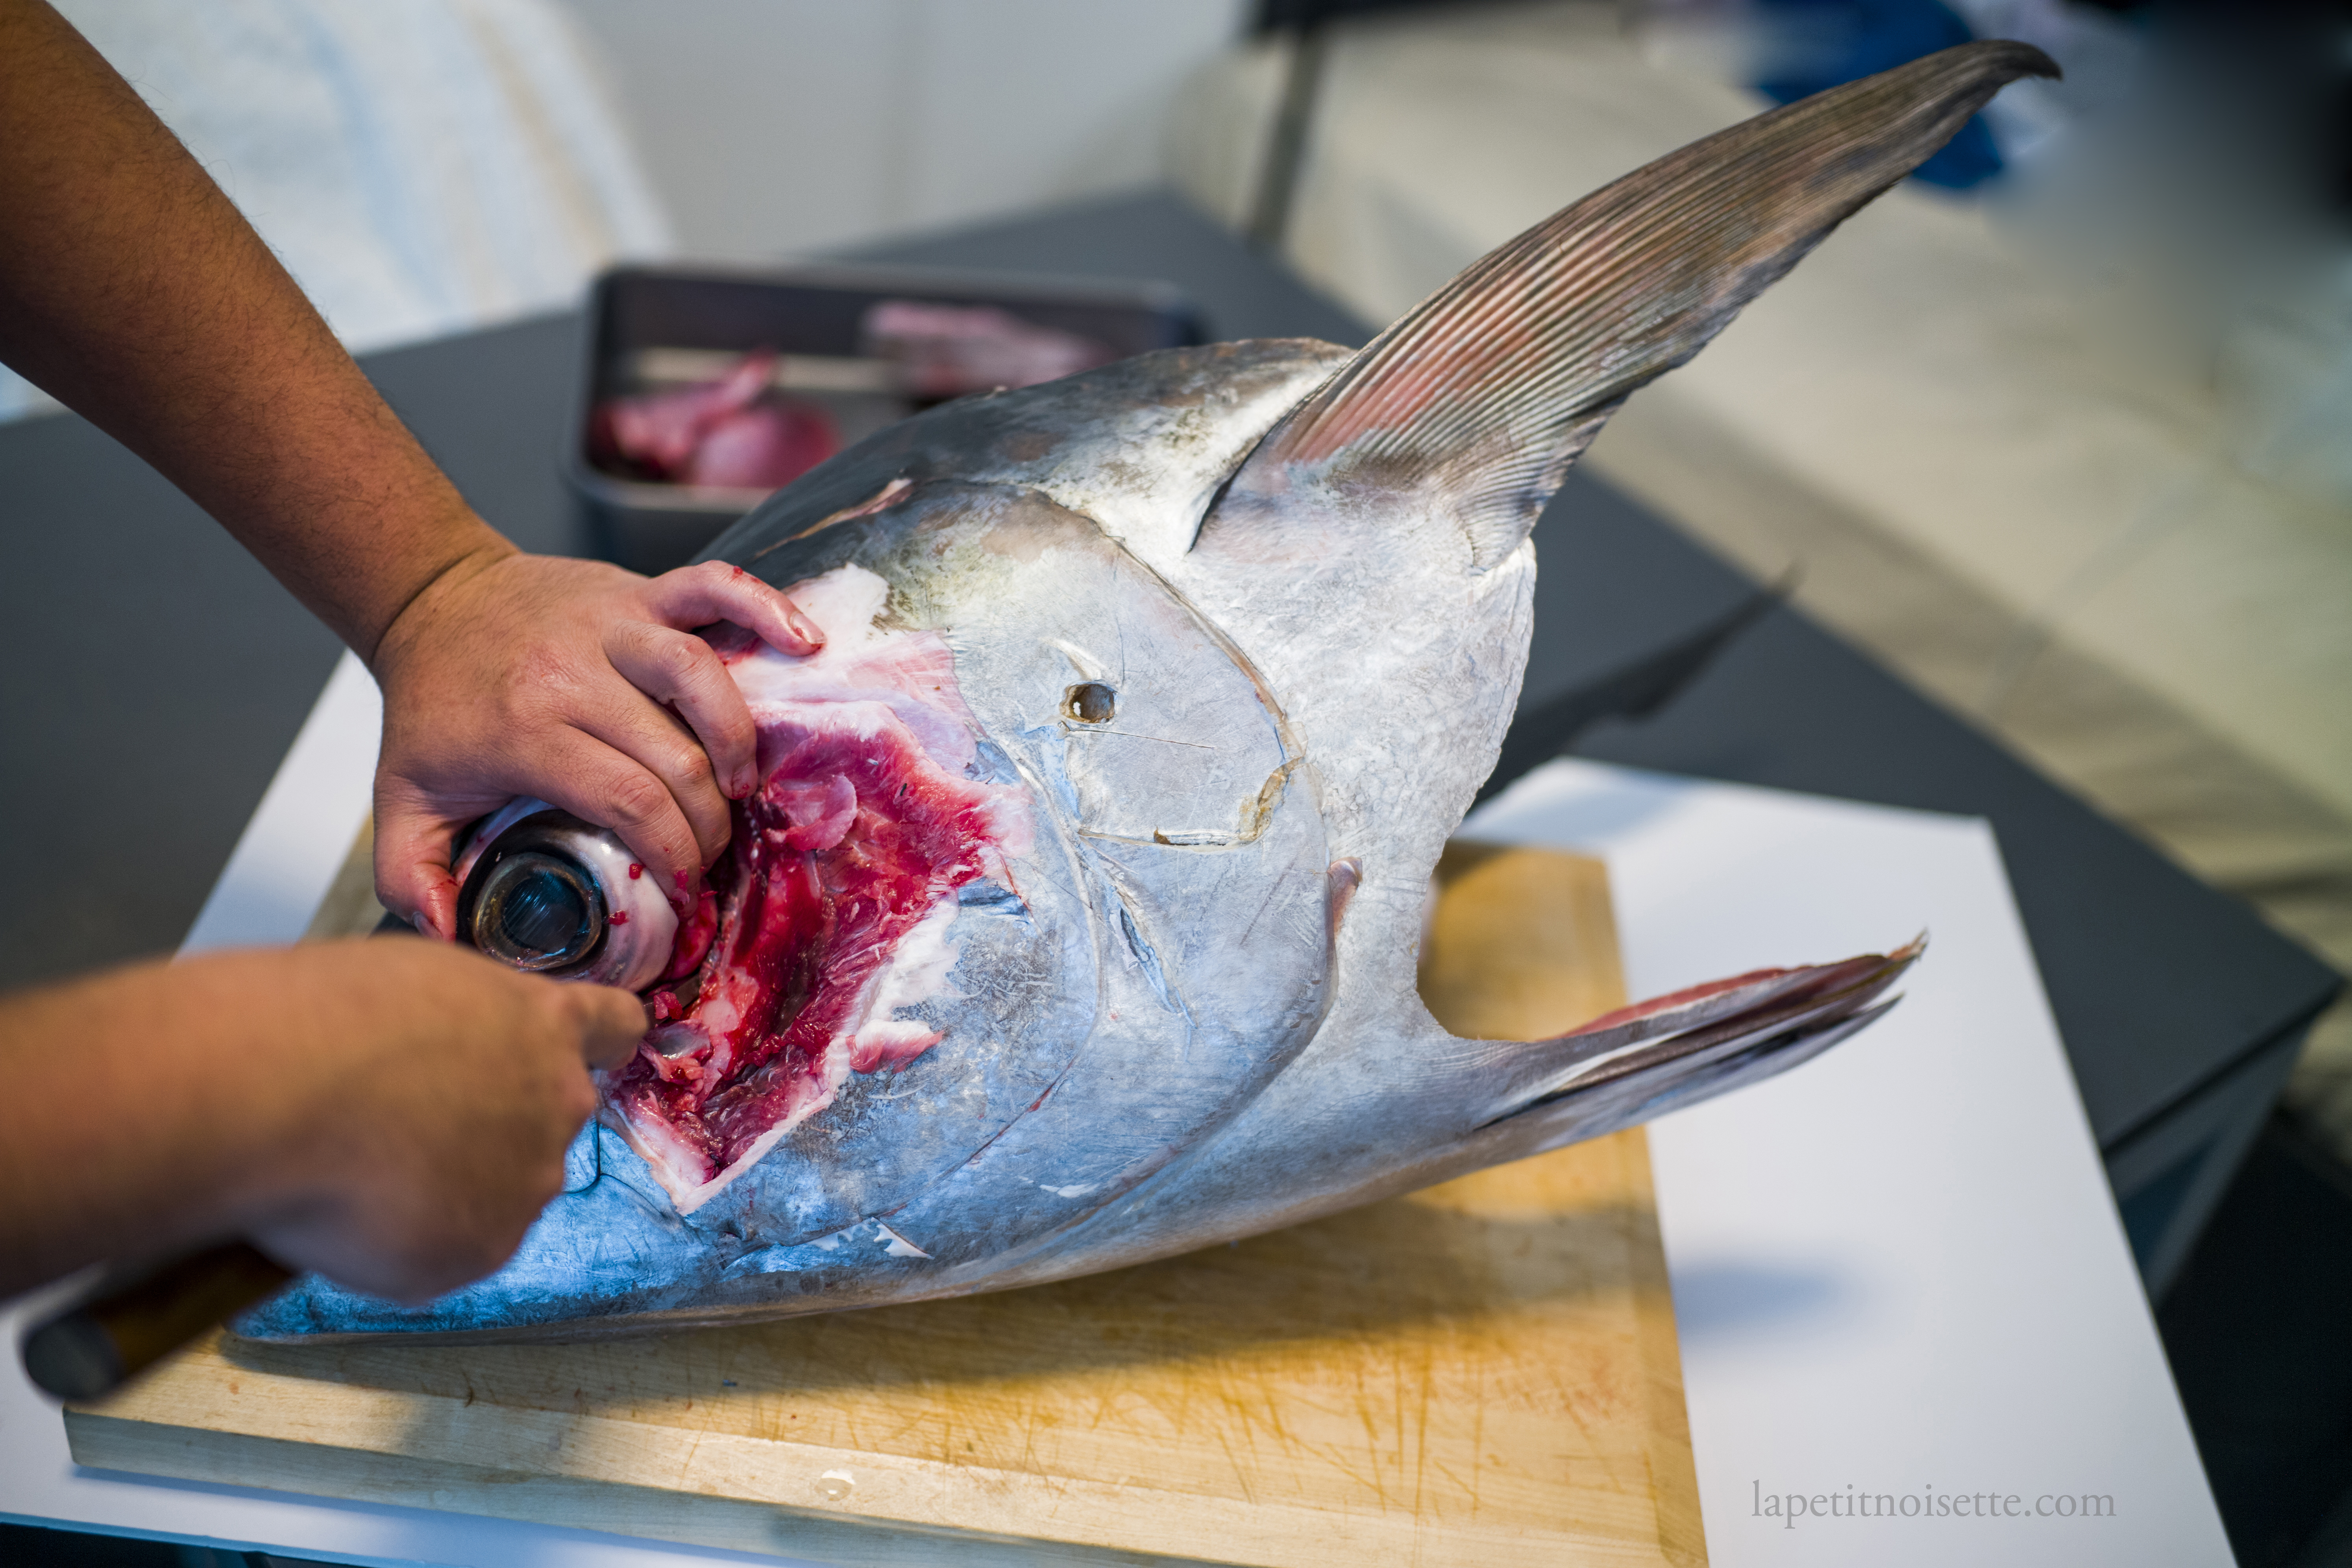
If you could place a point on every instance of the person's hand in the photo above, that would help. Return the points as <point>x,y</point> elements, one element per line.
<point>576,682</point>
<point>132,290</point>
<point>393,1112</point>
<point>430,1129</point>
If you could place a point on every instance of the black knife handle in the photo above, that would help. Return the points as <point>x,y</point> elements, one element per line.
<point>126,1325</point>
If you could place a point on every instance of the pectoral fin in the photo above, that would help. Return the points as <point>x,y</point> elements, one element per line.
<point>1643,1060</point>
<point>1490,388</point>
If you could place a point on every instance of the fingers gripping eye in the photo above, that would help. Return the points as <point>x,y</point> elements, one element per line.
<point>713,591</point>
<point>681,672</point>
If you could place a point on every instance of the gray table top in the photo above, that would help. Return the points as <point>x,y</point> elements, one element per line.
<point>157,676</point>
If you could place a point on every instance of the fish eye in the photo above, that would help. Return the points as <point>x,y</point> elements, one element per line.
<point>1090,703</point>
<point>537,912</point>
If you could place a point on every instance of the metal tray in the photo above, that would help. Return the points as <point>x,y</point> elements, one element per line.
<point>648,325</point>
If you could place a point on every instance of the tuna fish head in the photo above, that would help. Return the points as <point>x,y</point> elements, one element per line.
<point>1074,924</point>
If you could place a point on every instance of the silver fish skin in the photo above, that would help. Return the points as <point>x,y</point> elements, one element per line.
<point>1186,1012</point>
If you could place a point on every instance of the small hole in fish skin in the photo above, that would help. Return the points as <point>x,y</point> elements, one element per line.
<point>1090,703</point>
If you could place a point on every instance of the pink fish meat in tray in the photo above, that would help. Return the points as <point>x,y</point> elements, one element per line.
<point>734,430</point>
<point>1074,925</point>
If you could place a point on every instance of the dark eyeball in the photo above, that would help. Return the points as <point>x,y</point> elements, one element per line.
<point>1091,702</point>
<point>549,895</point>
<point>537,913</point>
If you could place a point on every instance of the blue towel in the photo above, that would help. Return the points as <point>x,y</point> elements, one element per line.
<point>1819,44</point>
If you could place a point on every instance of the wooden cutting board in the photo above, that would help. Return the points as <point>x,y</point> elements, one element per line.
<point>1482,1374</point>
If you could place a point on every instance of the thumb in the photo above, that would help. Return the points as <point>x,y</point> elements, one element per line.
<point>611,1023</point>
<point>412,866</point>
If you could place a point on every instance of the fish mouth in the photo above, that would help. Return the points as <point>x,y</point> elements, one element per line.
<point>834,906</point>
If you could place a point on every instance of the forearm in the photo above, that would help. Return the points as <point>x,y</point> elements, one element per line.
<point>392,1113</point>
<point>132,290</point>
<point>147,1115</point>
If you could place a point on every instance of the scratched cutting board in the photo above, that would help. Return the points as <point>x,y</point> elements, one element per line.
<point>1482,1374</point>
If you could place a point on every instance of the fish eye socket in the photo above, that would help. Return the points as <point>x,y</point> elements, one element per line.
<point>537,912</point>
<point>1090,703</point>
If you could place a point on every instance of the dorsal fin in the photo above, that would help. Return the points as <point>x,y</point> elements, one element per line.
<point>1494,384</point>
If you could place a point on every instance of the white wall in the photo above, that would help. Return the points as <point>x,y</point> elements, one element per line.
<point>774,127</point>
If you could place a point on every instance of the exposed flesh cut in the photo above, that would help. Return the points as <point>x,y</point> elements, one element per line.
<point>835,903</point>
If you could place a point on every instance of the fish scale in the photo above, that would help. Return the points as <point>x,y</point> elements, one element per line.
<point>1296,584</point>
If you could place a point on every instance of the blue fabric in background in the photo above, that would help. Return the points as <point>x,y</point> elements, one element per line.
<point>1822,43</point>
